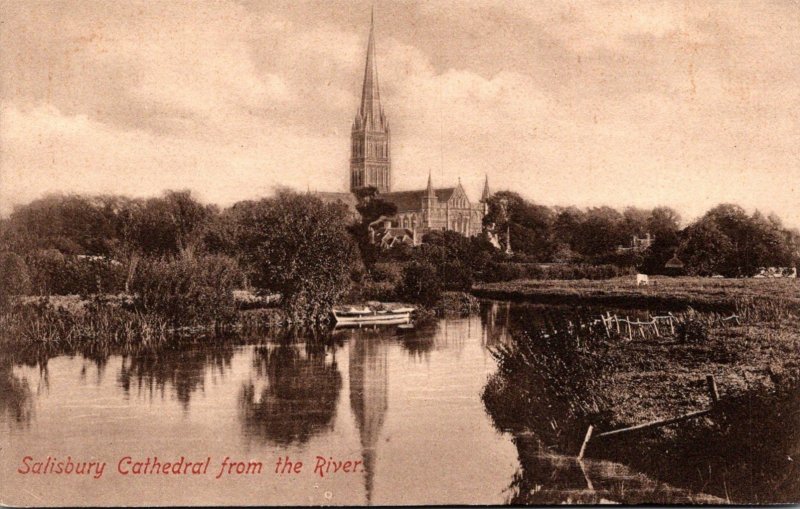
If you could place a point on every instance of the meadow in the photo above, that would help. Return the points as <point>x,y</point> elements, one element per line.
<point>701,293</point>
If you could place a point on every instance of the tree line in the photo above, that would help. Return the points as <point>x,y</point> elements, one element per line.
<point>175,252</point>
<point>726,240</point>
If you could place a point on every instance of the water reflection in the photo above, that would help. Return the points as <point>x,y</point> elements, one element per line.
<point>495,317</point>
<point>369,398</point>
<point>545,478</point>
<point>293,396</point>
<point>16,401</point>
<point>182,369</point>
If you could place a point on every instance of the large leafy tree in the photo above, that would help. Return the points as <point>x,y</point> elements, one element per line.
<point>298,246</point>
<point>529,223</point>
<point>729,241</point>
<point>664,224</point>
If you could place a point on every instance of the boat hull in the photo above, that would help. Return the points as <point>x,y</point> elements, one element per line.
<point>375,319</point>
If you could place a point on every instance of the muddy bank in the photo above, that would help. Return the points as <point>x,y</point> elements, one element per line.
<point>744,451</point>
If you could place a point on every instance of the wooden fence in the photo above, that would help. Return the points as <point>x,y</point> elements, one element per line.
<point>656,326</point>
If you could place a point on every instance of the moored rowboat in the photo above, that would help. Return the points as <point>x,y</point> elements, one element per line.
<point>366,316</point>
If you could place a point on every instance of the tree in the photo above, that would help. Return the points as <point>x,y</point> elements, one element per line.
<point>298,246</point>
<point>370,206</point>
<point>664,225</point>
<point>421,283</point>
<point>530,224</point>
<point>601,232</point>
<point>706,250</point>
<point>635,222</point>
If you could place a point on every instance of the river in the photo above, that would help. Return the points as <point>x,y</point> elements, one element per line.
<point>402,407</point>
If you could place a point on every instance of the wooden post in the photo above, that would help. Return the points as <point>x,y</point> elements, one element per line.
<point>630,329</point>
<point>585,442</point>
<point>654,424</point>
<point>655,327</point>
<point>671,325</point>
<point>616,320</point>
<point>712,389</point>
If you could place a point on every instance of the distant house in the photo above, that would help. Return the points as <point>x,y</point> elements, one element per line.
<point>674,266</point>
<point>638,244</point>
<point>383,233</point>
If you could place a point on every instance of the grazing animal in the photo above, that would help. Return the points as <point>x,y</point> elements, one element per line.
<point>642,279</point>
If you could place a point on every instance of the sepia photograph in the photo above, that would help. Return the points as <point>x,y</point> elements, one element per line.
<point>399,252</point>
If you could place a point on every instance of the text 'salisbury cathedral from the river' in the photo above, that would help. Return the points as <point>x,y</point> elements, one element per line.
<point>418,212</point>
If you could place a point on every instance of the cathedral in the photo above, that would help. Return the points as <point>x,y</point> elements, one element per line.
<point>418,212</point>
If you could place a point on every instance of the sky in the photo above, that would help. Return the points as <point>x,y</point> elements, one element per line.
<point>587,103</point>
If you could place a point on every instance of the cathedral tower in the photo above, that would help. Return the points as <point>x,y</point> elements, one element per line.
<point>370,164</point>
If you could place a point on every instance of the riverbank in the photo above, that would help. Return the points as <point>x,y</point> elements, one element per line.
<point>705,294</point>
<point>115,319</point>
<point>744,450</point>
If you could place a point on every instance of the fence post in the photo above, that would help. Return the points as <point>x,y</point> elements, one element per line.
<point>712,388</point>
<point>585,441</point>
<point>605,324</point>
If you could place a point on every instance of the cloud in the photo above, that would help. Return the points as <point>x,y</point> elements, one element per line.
<point>641,103</point>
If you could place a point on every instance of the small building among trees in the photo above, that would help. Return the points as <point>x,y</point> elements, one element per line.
<point>674,266</point>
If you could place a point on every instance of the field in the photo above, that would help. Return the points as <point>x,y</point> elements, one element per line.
<point>662,292</point>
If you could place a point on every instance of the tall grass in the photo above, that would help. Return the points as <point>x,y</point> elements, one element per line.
<point>549,379</point>
<point>188,290</point>
<point>99,321</point>
<point>765,309</point>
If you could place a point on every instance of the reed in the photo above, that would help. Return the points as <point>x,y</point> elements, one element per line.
<point>40,322</point>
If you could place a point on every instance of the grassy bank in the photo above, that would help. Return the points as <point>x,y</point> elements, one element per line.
<point>552,383</point>
<point>662,292</point>
<point>70,320</point>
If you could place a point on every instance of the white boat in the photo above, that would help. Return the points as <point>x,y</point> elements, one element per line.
<point>366,316</point>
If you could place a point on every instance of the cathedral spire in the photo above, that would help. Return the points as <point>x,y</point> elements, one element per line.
<point>429,190</point>
<point>371,111</point>
<point>370,161</point>
<point>486,193</point>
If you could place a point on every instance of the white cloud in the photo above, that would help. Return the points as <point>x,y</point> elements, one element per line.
<point>582,102</point>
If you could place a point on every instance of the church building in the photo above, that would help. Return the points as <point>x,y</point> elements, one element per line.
<point>418,212</point>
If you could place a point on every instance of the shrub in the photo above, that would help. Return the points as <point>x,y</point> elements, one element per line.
<point>693,330</point>
<point>190,290</point>
<point>46,270</point>
<point>508,271</point>
<point>53,273</point>
<point>387,272</point>
<point>421,283</point>
<point>14,278</point>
